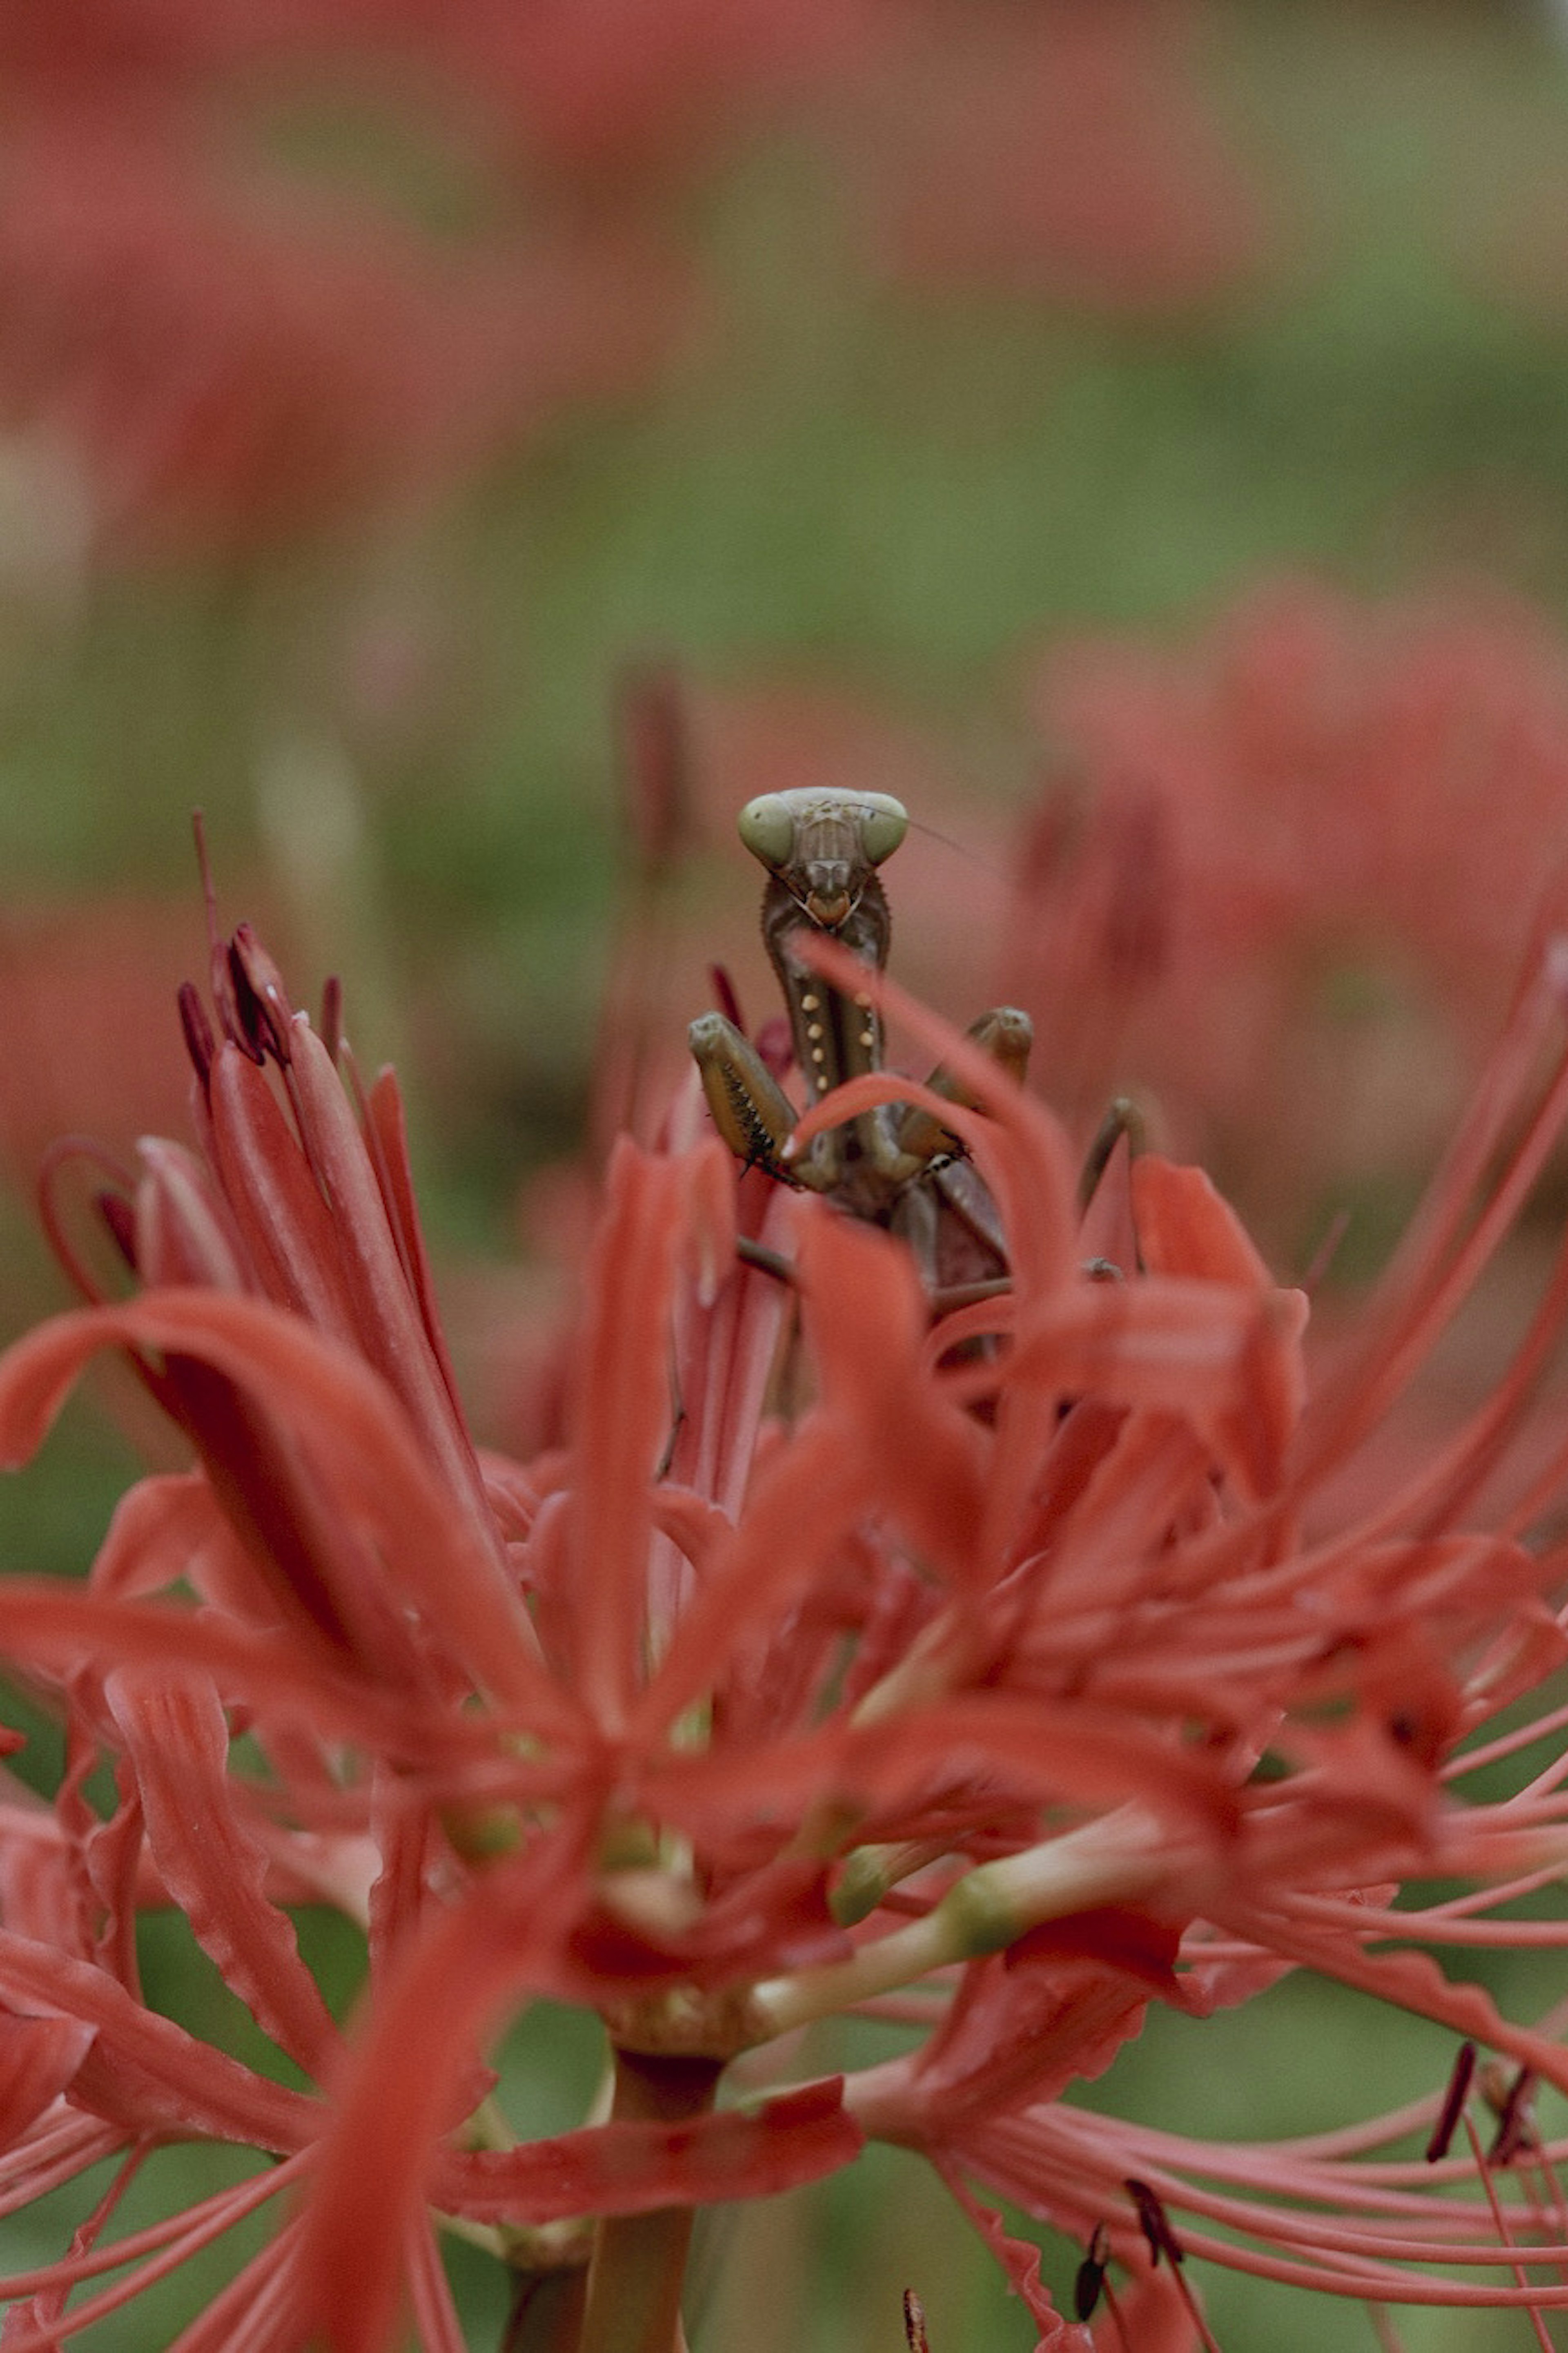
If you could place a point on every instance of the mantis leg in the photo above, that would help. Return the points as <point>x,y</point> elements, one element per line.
<point>750,1110</point>
<point>1006,1035</point>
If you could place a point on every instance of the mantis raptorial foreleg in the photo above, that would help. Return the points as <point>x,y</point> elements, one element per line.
<point>1006,1035</point>
<point>750,1109</point>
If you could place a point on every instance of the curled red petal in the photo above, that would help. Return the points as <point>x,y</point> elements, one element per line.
<point>160,1527</point>
<point>1187,1227</point>
<point>38,2057</point>
<point>924,1460</point>
<point>387,1129</point>
<point>170,1529</point>
<point>621,1417</point>
<point>637,2168</point>
<point>1225,1359</point>
<point>177,1741</point>
<point>183,1231</point>
<point>801,1501</point>
<point>61,1626</point>
<point>1020,2259</point>
<point>142,2072</point>
<point>1069,1752</point>
<point>693,1524</point>
<point>441,1995</point>
<point>349,1424</point>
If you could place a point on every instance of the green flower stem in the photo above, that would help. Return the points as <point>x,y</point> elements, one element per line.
<point>1109,1861</point>
<point>639,2259</point>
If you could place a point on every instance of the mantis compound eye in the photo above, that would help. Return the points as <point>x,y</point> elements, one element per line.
<point>766,826</point>
<point>883,824</point>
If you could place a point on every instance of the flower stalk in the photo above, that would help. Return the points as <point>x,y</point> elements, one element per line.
<point>1116,1861</point>
<point>638,2265</point>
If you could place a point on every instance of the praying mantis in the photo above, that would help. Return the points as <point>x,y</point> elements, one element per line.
<point>895,1166</point>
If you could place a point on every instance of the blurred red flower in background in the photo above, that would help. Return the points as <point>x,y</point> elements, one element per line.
<point>85,989</point>
<point>1246,850</point>
<point>234,346</point>
<point>620,98</point>
<point>1065,150</point>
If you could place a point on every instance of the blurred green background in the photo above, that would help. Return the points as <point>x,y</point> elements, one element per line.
<point>847,367</point>
<point>838,469</point>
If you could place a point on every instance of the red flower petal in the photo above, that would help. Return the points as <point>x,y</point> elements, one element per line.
<point>636,2168</point>
<point>38,2057</point>
<point>396,2097</point>
<point>621,1417</point>
<point>144,2071</point>
<point>346,1422</point>
<point>1185,1226</point>
<point>1225,1359</point>
<point>178,1745</point>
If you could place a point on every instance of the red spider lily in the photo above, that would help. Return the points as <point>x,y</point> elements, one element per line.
<point>1008,1722</point>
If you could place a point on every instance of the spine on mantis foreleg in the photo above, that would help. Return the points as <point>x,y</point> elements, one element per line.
<point>750,1109</point>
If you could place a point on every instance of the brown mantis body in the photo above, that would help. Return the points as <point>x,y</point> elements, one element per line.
<point>895,1166</point>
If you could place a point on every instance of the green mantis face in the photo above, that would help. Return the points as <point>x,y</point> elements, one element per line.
<point>823,846</point>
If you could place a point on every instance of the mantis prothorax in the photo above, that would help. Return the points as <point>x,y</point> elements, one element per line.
<point>896,1165</point>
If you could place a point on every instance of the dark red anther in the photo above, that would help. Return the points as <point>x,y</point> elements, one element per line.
<point>1454,2100</point>
<point>200,1043</point>
<point>332,1015</point>
<point>119,1218</point>
<point>1154,2223</point>
<point>261,997</point>
<point>915,2323</point>
<point>724,995</point>
<point>226,1004</point>
<point>1090,2278</point>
